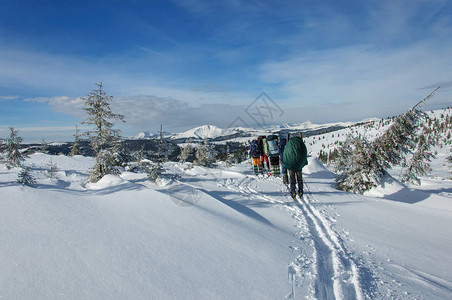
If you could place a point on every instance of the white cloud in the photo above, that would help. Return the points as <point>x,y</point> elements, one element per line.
<point>387,81</point>
<point>144,112</point>
<point>8,97</point>
<point>63,104</point>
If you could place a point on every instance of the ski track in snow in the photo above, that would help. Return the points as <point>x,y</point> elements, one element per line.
<point>336,273</point>
<point>332,257</point>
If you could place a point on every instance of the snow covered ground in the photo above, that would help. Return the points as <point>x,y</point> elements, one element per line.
<point>219,233</point>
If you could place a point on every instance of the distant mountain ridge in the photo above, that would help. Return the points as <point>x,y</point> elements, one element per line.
<point>213,132</point>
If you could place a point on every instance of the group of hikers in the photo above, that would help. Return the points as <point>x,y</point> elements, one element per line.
<point>278,155</point>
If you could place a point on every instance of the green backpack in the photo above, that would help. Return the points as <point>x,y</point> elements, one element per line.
<point>295,154</point>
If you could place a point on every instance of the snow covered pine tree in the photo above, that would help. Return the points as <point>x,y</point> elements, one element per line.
<point>14,158</point>
<point>75,149</point>
<point>103,138</point>
<point>155,171</point>
<point>25,177</point>
<point>204,155</point>
<point>362,164</point>
<point>185,153</point>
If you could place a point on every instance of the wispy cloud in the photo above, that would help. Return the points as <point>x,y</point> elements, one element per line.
<point>443,85</point>
<point>144,112</point>
<point>63,104</point>
<point>146,49</point>
<point>8,97</point>
<point>398,52</point>
<point>360,74</point>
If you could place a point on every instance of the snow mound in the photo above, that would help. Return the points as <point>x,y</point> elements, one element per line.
<point>315,166</point>
<point>389,186</point>
<point>106,182</point>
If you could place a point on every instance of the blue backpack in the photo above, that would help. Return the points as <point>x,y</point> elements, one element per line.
<point>255,149</point>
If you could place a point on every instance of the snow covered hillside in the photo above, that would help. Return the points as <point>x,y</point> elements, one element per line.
<point>217,233</point>
<point>241,134</point>
<point>206,131</point>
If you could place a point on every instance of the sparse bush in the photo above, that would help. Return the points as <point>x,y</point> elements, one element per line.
<point>52,169</point>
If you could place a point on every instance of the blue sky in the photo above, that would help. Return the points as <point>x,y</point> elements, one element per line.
<point>186,63</point>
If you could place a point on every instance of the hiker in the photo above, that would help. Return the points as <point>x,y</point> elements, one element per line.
<point>295,157</point>
<point>264,151</point>
<point>255,154</point>
<point>273,151</point>
<point>282,145</point>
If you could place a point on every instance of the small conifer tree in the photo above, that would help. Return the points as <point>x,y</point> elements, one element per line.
<point>139,155</point>
<point>185,153</point>
<point>25,177</point>
<point>53,168</point>
<point>2,149</point>
<point>229,155</point>
<point>44,146</point>
<point>360,170</point>
<point>419,163</point>
<point>103,137</point>
<point>203,154</point>
<point>75,149</point>
<point>14,158</point>
<point>155,170</point>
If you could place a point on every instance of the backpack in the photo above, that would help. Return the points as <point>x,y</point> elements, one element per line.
<point>265,147</point>
<point>255,149</point>
<point>295,155</point>
<point>273,145</point>
<point>282,146</point>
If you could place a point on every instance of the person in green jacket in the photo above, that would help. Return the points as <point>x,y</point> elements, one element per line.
<point>295,157</point>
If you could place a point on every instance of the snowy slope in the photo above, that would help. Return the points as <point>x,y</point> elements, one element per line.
<point>223,233</point>
<point>127,238</point>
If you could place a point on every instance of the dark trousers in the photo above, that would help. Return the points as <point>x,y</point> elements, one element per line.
<point>295,177</point>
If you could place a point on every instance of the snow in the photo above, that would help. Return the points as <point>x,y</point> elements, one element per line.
<point>206,131</point>
<point>212,131</point>
<point>143,135</point>
<point>222,233</point>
